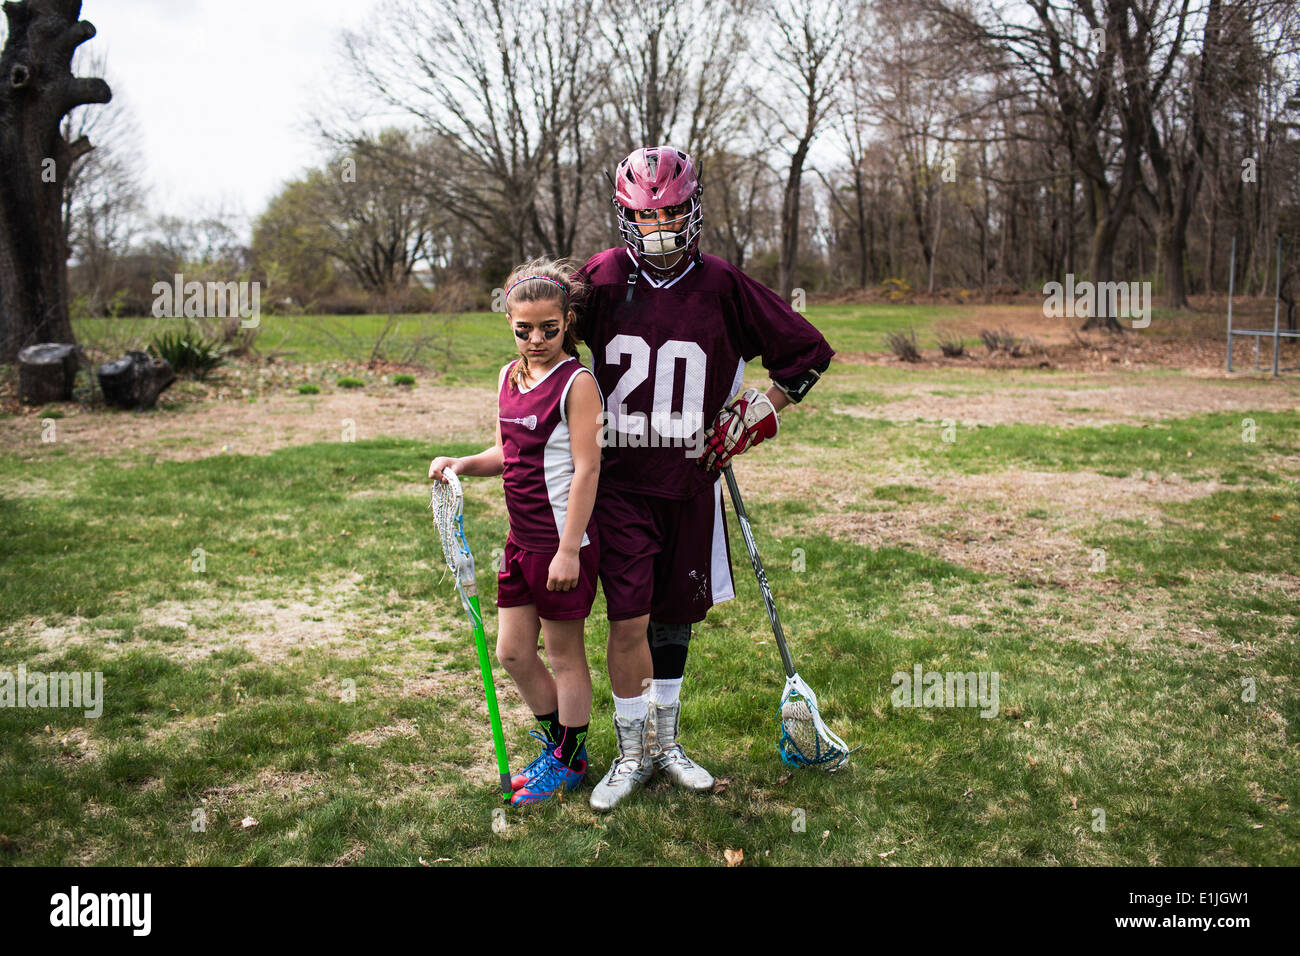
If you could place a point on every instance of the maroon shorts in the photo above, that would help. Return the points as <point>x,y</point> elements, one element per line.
<point>663,557</point>
<point>522,581</point>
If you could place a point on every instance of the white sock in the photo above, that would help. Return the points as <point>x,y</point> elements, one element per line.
<point>631,708</point>
<point>666,692</point>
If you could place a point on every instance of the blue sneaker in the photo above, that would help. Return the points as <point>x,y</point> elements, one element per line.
<point>522,777</point>
<point>553,778</point>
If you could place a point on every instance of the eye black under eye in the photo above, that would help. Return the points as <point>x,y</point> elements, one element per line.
<point>550,333</point>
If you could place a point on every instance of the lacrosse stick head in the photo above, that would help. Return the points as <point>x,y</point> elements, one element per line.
<point>806,741</point>
<point>447,502</point>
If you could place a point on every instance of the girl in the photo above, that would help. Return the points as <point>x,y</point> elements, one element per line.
<point>547,445</point>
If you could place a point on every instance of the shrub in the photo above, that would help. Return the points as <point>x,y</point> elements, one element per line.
<point>1023,347</point>
<point>229,332</point>
<point>997,341</point>
<point>403,379</point>
<point>309,388</point>
<point>896,289</point>
<point>950,344</point>
<point>904,346</point>
<point>187,353</point>
<point>351,383</point>
<point>1004,341</point>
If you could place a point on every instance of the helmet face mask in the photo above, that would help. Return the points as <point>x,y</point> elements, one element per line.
<point>658,186</point>
<point>672,241</point>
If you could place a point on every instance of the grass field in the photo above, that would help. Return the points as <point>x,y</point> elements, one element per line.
<point>470,346</point>
<point>1119,548</point>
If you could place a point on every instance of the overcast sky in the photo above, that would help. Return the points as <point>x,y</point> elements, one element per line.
<point>220,90</point>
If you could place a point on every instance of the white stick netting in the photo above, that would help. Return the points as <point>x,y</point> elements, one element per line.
<point>806,741</point>
<point>447,504</point>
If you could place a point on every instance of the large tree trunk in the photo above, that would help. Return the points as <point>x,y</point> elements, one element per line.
<point>790,219</point>
<point>1101,268</point>
<point>1177,194</point>
<point>37,89</point>
<point>858,187</point>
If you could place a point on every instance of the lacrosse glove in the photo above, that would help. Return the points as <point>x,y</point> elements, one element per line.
<point>739,427</point>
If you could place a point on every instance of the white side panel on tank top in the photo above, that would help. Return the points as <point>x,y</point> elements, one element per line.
<point>557,466</point>
<point>557,463</point>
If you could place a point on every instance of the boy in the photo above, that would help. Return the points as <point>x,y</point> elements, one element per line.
<point>670,331</point>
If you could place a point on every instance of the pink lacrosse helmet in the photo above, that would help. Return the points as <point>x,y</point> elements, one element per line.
<point>653,178</point>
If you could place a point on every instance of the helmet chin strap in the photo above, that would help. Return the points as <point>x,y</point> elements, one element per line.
<point>643,263</point>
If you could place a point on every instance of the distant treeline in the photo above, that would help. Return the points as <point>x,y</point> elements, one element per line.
<point>918,144</point>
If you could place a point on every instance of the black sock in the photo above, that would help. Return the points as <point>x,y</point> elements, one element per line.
<point>571,743</point>
<point>551,725</point>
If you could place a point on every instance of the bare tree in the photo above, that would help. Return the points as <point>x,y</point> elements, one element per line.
<point>673,74</point>
<point>742,194</point>
<point>505,86</point>
<point>854,123</point>
<point>380,226</point>
<point>1087,57</point>
<point>103,198</point>
<point>916,89</point>
<point>807,40</point>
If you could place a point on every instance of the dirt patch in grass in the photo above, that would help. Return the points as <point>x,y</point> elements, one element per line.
<point>270,630</point>
<point>37,488</point>
<point>1139,618</point>
<point>274,629</point>
<point>377,735</point>
<point>1017,523</point>
<point>233,425</point>
<point>77,745</point>
<point>1080,400</point>
<point>229,804</point>
<point>431,684</point>
<point>67,747</point>
<point>352,855</point>
<point>1193,340</point>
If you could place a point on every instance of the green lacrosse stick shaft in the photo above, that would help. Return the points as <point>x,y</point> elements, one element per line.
<point>489,689</point>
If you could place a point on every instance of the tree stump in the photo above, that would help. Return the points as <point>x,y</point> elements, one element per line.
<point>46,373</point>
<point>135,381</point>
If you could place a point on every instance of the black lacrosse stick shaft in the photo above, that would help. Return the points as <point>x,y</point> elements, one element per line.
<point>758,570</point>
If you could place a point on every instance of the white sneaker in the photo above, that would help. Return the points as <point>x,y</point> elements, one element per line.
<point>633,767</point>
<point>668,755</point>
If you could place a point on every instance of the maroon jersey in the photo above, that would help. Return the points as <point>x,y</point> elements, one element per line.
<point>537,458</point>
<point>670,359</point>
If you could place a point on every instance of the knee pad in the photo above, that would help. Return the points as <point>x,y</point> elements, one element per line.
<point>669,635</point>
